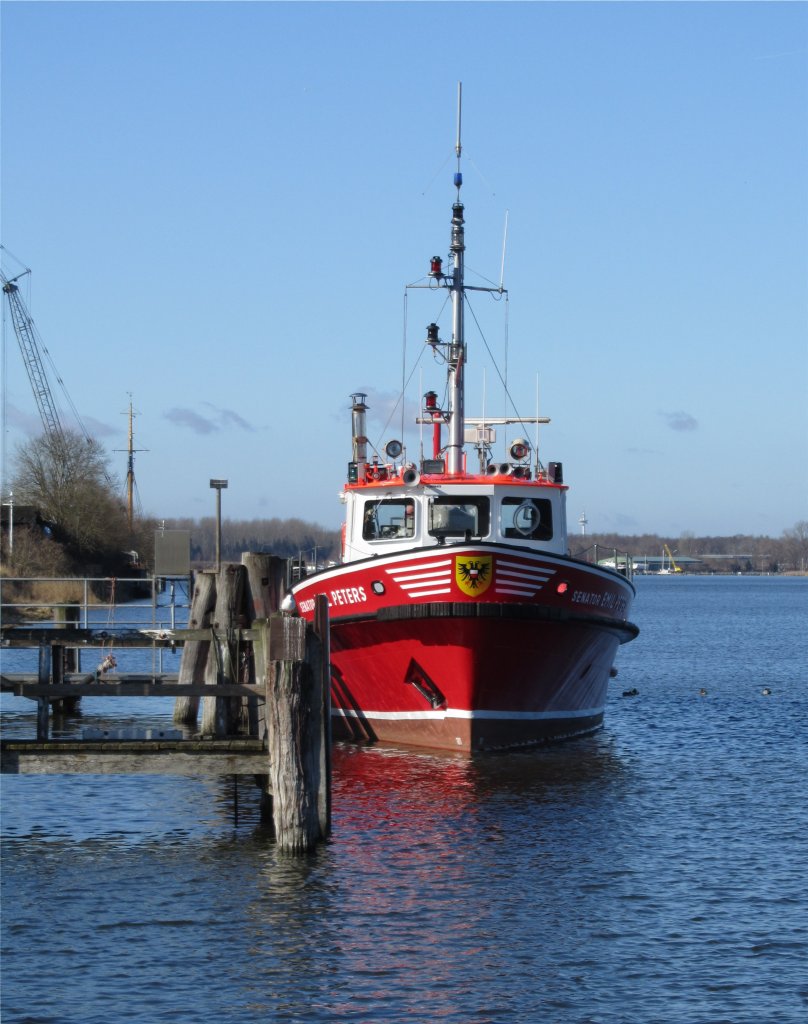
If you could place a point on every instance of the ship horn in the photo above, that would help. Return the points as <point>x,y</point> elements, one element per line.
<point>410,475</point>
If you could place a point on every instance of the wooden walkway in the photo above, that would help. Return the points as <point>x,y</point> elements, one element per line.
<point>275,727</point>
<point>189,757</point>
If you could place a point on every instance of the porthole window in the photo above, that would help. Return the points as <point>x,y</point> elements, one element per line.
<point>526,518</point>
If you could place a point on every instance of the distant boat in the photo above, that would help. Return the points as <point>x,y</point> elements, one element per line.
<point>671,567</point>
<point>458,618</point>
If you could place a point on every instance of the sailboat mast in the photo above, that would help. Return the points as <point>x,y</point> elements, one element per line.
<point>457,349</point>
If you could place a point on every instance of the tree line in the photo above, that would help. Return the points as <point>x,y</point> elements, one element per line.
<point>76,523</point>
<point>735,553</point>
<point>288,538</point>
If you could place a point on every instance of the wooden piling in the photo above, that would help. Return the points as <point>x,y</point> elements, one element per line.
<point>220,714</point>
<point>264,591</point>
<point>43,703</point>
<point>65,659</point>
<point>195,652</point>
<point>297,733</point>
<point>266,584</point>
<point>322,629</point>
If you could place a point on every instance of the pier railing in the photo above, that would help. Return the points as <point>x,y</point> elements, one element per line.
<point>608,558</point>
<point>86,601</point>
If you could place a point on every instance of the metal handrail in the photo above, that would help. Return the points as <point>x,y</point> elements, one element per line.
<point>617,558</point>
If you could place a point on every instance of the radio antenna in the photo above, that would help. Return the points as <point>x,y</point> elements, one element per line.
<point>504,245</point>
<point>458,147</point>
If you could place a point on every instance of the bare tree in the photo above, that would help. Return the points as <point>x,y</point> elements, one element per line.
<point>796,545</point>
<point>65,478</point>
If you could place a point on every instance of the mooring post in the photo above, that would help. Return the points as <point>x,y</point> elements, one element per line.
<point>65,659</point>
<point>265,589</point>
<point>195,652</point>
<point>266,583</point>
<point>42,704</point>
<point>294,716</point>
<point>323,670</point>
<point>218,716</point>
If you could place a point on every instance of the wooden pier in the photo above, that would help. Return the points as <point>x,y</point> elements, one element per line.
<point>265,690</point>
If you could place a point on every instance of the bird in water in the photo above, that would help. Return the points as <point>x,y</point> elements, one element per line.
<point>766,691</point>
<point>702,692</point>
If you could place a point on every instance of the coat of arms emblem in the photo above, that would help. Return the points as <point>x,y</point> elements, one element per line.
<point>474,574</point>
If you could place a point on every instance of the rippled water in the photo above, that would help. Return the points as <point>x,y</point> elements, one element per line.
<point>653,873</point>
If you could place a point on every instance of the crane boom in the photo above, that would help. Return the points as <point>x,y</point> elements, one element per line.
<point>674,566</point>
<point>29,346</point>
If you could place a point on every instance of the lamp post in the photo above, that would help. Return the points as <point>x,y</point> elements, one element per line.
<point>10,505</point>
<point>218,486</point>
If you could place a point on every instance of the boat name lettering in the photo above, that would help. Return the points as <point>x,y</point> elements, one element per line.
<point>307,605</point>
<point>609,600</point>
<point>348,595</point>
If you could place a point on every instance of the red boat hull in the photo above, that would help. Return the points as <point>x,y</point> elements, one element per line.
<point>466,673</point>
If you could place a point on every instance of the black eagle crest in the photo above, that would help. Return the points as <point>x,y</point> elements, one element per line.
<point>473,573</point>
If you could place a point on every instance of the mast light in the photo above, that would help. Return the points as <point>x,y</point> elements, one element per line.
<point>520,449</point>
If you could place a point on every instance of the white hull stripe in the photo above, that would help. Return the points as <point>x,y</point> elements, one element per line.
<point>513,574</point>
<point>439,716</point>
<point>516,578</point>
<point>443,564</point>
<point>416,578</point>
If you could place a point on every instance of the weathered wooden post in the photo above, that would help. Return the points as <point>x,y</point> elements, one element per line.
<point>296,734</point>
<point>322,628</point>
<point>266,584</point>
<point>218,715</point>
<point>42,703</point>
<point>65,659</point>
<point>266,587</point>
<point>195,652</point>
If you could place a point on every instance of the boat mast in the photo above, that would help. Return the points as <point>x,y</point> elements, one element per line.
<point>457,349</point>
<point>130,467</point>
<point>130,473</point>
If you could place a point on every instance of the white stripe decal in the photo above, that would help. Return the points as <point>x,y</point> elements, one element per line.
<point>429,593</point>
<point>520,716</point>
<point>443,574</point>
<point>524,570</point>
<point>417,568</point>
<point>530,577</point>
<point>423,583</point>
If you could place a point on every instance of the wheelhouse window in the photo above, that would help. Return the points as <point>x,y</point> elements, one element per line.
<point>458,517</point>
<point>526,518</point>
<point>388,519</point>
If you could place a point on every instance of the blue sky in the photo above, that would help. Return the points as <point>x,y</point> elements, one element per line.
<point>222,203</point>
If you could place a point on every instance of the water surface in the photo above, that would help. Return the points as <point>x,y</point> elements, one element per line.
<point>653,873</point>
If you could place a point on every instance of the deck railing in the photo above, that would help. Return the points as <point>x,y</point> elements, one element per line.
<point>609,558</point>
